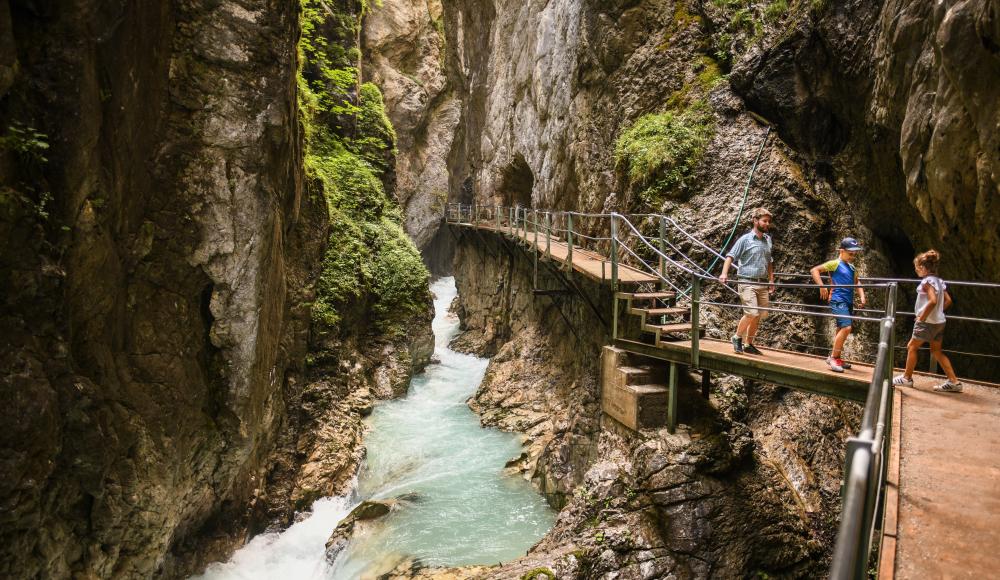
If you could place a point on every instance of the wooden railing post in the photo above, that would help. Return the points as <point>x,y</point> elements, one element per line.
<point>497,212</point>
<point>695,319</point>
<point>569,240</point>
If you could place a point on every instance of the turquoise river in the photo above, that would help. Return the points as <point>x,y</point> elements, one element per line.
<point>428,448</point>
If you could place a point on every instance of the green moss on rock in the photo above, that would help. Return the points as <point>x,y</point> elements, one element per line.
<point>660,151</point>
<point>371,267</point>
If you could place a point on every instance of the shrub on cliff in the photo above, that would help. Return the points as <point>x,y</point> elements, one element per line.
<point>660,151</point>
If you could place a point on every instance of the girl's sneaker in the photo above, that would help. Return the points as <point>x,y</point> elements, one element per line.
<point>902,381</point>
<point>948,387</point>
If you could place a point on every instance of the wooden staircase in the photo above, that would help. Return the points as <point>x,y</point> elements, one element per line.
<point>659,314</point>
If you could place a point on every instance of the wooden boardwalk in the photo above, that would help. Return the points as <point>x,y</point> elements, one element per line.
<point>591,264</point>
<point>942,510</point>
<point>791,369</point>
<point>943,498</point>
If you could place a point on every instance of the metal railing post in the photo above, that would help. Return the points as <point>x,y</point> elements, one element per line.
<point>695,319</point>
<point>569,240</point>
<point>663,249</point>
<point>614,251</point>
<point>890,312</point>
<point>672,402</point>
<point>548,235</point>
<point>614,276</point>
<point>497,211</point>
<point>534,227</point>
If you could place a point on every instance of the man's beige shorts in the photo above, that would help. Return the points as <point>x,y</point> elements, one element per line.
<point>752,296</point>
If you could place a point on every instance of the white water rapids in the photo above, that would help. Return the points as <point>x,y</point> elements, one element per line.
<point>459,509</point>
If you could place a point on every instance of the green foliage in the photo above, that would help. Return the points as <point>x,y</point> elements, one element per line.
<point>29,144</point>
<point>661,151</point>
<point>350,184</point>
<point>374,134</point>
<point>371,267</point>
<point>744,23</point>
<point>710,74</point>
<point>776,10</point>
<point>400,277</point>
<point>539,574</point>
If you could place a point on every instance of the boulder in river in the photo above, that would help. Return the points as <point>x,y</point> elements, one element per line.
<point>366,510</point>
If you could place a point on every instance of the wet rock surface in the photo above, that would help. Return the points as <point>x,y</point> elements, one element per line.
<point>366,511</point>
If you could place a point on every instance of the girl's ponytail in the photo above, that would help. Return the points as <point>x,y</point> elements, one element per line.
<point>928,260</point>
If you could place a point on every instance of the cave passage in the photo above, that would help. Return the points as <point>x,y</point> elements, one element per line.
<point>443,473</point>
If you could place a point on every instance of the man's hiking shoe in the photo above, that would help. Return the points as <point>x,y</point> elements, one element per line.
<point>737,345</point>
<point>751,349</point>
<point>948,387</point>
<point>902,381</point>
<point>834,364</point>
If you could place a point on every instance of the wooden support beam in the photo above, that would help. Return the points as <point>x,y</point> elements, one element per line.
<point>706,383</point>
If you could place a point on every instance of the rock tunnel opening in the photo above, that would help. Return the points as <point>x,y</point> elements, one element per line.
<point>516,183</point>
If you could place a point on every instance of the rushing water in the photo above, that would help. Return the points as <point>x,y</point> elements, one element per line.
<point>458,507</point>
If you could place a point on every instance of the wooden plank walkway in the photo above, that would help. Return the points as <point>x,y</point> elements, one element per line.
<point>943,500</point>
<point>791,369</point>
<point>589,263</point>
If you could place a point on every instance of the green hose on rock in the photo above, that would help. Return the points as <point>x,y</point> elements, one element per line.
<point>743,205</point>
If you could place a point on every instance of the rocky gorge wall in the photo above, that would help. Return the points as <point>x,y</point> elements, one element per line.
<point>204,279</point>
<point>660,106</point>
<point>749,485</point>
<point>147,323</point>
<point>876,132</point>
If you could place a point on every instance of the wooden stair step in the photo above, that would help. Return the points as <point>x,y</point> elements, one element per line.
<point>660,311</point>
<point>647,295</point>
<point>626,375</point>
<point>668,328</point>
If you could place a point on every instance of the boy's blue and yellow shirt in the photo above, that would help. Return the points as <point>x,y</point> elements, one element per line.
<point>842,274</point>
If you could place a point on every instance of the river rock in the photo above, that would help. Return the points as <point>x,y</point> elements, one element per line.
<point>366,511</point>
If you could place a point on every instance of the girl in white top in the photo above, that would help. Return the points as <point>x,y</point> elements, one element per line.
<point>932,299</point>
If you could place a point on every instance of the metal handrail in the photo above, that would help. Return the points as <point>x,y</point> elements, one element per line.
<point>865,467</point>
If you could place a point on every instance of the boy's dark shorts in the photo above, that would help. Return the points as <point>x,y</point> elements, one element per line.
<point>928,331</point>
<point>842,309</point>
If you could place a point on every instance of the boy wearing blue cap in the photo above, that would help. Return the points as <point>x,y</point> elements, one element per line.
<point>844,278</point>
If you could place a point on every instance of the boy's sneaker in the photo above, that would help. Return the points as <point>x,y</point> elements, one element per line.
<point>834,364</point>
<point>751,349</point>
<point>737,344</point>
<point>902,381</point>
<point>948,387</point>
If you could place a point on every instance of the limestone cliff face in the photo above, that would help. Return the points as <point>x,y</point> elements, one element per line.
<point>405,51</point>
<point>152,252</point>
